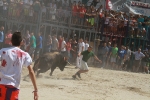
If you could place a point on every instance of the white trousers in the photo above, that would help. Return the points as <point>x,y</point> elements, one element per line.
<point>78,62</point>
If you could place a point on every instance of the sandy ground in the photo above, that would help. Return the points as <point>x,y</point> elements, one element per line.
<point>97,84</point>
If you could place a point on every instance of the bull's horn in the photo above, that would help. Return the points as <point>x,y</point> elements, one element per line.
<point>69,63</point>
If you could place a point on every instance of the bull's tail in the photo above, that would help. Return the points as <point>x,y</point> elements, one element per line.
<point>36,65</point>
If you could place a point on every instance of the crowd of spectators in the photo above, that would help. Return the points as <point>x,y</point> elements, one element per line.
<point>112,56</point>
<point>108,22</point>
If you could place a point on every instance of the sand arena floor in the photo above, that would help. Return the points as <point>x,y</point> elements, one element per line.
<point>97,84</point>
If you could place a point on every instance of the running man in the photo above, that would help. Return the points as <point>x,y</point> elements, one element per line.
<point>86,55</point>
<point>12,61</point>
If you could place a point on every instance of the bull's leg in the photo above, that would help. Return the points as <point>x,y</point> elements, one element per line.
<point>52,69</point>
<point>37,74</point>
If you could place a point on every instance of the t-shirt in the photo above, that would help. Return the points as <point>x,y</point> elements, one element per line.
<point>63,46</point>
<point>33,42</point>
<point>80,46</point>
<point>12,61</point>
<point>86,46</point>
<point>114,52</point>
<point>86,55</point>
<point>82,12</point>
<point>121,53</point>
<point>54,44</point>
<point>39,42</point>
<point>60,43</point>
<point>68,46</point>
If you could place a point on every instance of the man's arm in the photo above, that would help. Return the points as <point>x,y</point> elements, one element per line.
<point>97,58</point>
<point>33,79</point>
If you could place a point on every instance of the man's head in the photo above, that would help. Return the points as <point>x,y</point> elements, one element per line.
<point>105,44</point>
<point>81,40</point>
<point>32,34</point>
<point>2,28</point>
<point>115,45</point>
<point>122,47</point>
<point>90,48</point>
<point>139,50</point>
<point>16,39</point>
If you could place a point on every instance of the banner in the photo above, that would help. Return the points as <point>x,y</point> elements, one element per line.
<point>134,7</point>
<point>108,5</point>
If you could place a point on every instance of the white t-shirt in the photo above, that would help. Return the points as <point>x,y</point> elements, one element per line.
<point>63,44</point>
<point>12,61</point>
<point>86,46</point>
<point>80,47</point>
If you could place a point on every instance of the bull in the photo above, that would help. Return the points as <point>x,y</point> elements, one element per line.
<point>50,61</point>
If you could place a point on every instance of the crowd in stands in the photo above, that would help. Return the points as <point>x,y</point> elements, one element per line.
<point>108,22</point>
<point>112,56</point>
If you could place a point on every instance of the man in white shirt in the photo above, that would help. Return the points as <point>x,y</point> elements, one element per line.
<point>63,47</point>
<point>137,62</point>
<point>55,44</point>
<point>12,61</point>
<point>81,48</point>
<point>86,45</point>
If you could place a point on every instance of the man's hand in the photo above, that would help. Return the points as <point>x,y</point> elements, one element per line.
<point>35,95</point>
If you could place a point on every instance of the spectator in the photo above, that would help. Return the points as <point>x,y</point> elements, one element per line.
<point>1,36</point>
<point>55,44</point>
<point>5,9</point>
<point>73,51</point>
<point>32,45</point>
<point>53,10</point>
<point>108,55</point>
<point>74,12</point>
<point>60,42</point>
<point>49,44</point>
<point>39,46</point>
<point>81,49</point>
<point>1,6</point>
<point>121,57</point>
<point>113,55</point>
<point>68,47</point>
<point>27,39</point>
<point>82,12</point>
<point>8,39</point>
<point>145,62</point>
<point>103,54</point>
<point>63,47</point>
<point>65,4</point>
<point>137,62</point>
<point>36,7</point>
<point>126,65</point>
<point>86,45</point>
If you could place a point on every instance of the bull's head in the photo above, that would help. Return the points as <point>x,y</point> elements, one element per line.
<point>63,64</point>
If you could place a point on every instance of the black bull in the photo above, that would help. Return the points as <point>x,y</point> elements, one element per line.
<point>50,61</point>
